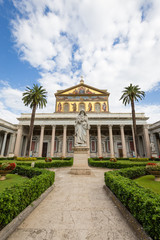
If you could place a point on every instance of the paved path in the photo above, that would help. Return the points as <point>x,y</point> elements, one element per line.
<point>77,209</point>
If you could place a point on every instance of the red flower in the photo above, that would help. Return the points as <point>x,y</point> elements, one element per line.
<point>152,164</point>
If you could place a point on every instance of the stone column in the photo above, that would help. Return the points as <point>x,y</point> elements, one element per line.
<point>4,143</point>
<point>147,141</point>
<point>123,141</point>
<point>18,141</point>
<point>99,141</point>
<point>12,143</point>
<point>111,141</point>
<point>64,141</point>
<point>52,140</point>
<point>41,141</point>
<point>134,143</point>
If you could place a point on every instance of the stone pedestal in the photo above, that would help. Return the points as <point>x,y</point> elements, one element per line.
<point>80,161</point>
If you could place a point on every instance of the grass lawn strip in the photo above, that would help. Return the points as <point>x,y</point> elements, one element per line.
<point>11,179</point>
<point>149,183</point>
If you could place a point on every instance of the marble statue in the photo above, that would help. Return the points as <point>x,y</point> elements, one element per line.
<point>81,128</point>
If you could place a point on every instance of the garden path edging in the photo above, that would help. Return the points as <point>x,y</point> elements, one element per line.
<point>11,227</point>
<point>133,223</point>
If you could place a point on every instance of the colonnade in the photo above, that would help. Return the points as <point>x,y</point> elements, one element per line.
<point>11,144</point>
<point>99,140</point>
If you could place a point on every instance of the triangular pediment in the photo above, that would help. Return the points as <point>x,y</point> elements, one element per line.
<point>82,89</point>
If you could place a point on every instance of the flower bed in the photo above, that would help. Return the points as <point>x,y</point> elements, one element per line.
<point>15,199</point>
<point>142,203</point>
<point>6,168</point>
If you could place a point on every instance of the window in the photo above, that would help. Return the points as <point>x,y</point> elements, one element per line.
<point>93,145</point>
<point>70,145</point>
<point>97,107</point>
<point>66,107</point>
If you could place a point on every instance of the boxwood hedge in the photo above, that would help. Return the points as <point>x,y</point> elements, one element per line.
<point>143,204</point>
<point>115,165</point>
<point>54,163</point>
<point>40,164</point>
<point>15,199</point>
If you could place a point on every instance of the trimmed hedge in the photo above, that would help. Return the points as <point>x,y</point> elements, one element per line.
<point>115,165</point>
<point>55,163</point>
<point>26,159</point>
<point>143,204</point>
<point>15,199</point>
<point>6,158</point>
<point>54,158</point>
<point>139,159</point>
<point>107,158</point>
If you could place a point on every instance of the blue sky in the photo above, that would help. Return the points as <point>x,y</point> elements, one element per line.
<point>54,42</point>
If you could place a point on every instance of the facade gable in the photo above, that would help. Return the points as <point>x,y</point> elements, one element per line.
<point>81,97</point>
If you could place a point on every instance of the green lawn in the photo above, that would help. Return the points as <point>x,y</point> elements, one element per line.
<point>148,182</point>
<point>11,179</point>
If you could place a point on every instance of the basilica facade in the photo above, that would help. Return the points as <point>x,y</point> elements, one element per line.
<point>110,134</point>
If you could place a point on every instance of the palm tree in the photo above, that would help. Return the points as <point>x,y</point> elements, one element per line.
<point>130,95</point>
<point>33,97</point>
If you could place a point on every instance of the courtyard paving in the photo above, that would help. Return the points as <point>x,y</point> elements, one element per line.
<point>78,208</point>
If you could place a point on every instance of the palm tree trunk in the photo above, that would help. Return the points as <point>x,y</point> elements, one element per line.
<point>31,131</point>
<point>134,127</point>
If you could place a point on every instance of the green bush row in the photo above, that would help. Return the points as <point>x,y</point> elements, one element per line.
<point>55,163</point>
<point>6,158</point>
<point>15,199</point>
<point>115,165</point>
<point>143,204</point>
<point>139,159</point>
<point>26,159</point>
<point>54,158</point>
<point>108,158</point>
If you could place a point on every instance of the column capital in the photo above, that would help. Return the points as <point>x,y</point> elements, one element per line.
<point>99,126</point>
<point>146,126</point>
<point>53,126</point>
<point>42,126</point>
<point>122,125</point>
<point>64,126</point>
<point>20,126</point>
<point>110,126</point>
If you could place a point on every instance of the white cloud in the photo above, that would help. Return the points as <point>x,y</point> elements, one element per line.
<point>116,43</point>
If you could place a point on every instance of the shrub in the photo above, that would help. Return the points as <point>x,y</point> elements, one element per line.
<point>55,163</point>
<point>101,158</point>
<point>142,203</point>
<point>7,158</point>
<point>114,165</point>
<point>139,159</point>
<point>26,159</point>
<point>154,159</point>
<point>15,199</point>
